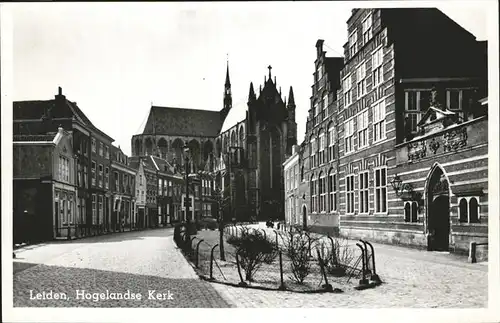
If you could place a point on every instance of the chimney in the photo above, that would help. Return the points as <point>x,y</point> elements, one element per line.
<point>59,91</point>
<point>60,130</point>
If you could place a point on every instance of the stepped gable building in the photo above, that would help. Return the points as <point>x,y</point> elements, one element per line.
<point>320,163</point>
<point>253,143</point>
<point>412,148</point>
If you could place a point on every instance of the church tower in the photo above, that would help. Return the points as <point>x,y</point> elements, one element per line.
<point>228,100</point>
<point>292,125</point>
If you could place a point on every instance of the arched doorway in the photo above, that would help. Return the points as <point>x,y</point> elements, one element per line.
<point>304,217</point>
<point>438,214</point>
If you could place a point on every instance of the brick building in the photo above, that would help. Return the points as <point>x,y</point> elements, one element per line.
<point>44,187</point>
<point>122,186</point>
<point>407,118</point>
<point>293,198</point>
<point>91,152</point>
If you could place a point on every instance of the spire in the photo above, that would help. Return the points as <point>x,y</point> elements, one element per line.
<point>291,100</point>
<point>228,83</point>
<point>228,100</point>
<point>251,94</point>
<point>270,68</point>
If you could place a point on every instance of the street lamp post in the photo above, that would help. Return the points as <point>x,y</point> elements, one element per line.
<point>187,200</point>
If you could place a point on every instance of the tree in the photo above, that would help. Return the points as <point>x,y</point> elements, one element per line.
<point>222,202</point>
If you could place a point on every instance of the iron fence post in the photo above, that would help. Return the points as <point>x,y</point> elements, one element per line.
<point>374,277</point>
<point>198,251</point>
<point>265,235</point>
<point>282,285</point>
<point>276,234</point>
<point>212,261</point>
<point>363,281</point>
<point>366,256</point>
<point>326,286</point>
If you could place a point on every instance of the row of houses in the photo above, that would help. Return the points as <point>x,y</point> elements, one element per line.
<point>396,145</point>
<point>70,181</point>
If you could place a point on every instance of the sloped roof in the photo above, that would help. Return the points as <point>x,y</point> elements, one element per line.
<point>162,165</point>
<point>236,114</point>
<point>48,137</point>
<point>35,109</point>
<point>183,122</point>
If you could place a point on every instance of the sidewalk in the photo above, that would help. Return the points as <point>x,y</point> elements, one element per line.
<point>412,278</point>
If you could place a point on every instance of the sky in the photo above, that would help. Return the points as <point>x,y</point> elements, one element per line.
<point>117,59</point>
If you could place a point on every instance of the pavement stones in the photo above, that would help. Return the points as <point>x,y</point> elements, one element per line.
<point>91,272</point>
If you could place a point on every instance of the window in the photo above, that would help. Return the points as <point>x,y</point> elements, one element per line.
<point>473,210</point>
<point>316,108</point>
<point>349,135</point>
<point>416,104</point>
<point>313,152</point>
<point>325,105</point>
<point>332,190</point>
<point>362,129</point>
<point>322,147</point>
<point>93,145</point>
<point>106,150</point>
<point>101,149</point>
<point>414,212</point>
<point>79,175</point>
<point>320,72</point>
<point>379,121</point>
<point>63,169</point>
<point>85,176</point>
<point>367,29</point>
<point>94,211</point>
<point>83,211</point>
<point>322,192</point>
<point>353,39</point>
<point>101,217</point>
<point>331,142</point>
<point>106,178</point>
<point>411,212</point>
<point>347,89</point>
<point>302,173</point>
<point>454,99</point>
<point>377,63</point>
<point>313,193</point>
<point>94,175</point>
<point>468,210</point>
<point>117,181</point>
<point>361,80</point>
<point>295,176</point>
<point>349,194</point>
<point>380,190</point>
<point>140,180</point>
<point>100,175</point>
<point>159,186</point>
<point>363,192</point>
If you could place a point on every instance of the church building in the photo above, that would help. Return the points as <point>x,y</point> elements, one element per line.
<point>239,149</point>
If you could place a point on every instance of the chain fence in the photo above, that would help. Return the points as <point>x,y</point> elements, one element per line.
<point>292,260</point>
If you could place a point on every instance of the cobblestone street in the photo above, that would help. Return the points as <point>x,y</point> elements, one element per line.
<point>148,260</point>
<point>140,262</point>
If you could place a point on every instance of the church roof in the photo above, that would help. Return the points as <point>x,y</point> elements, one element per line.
<point>183,122</point>
<point>236,114</point>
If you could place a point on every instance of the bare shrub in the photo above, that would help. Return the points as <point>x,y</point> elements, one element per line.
<point>296,247</point>
<point>254,249</point>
